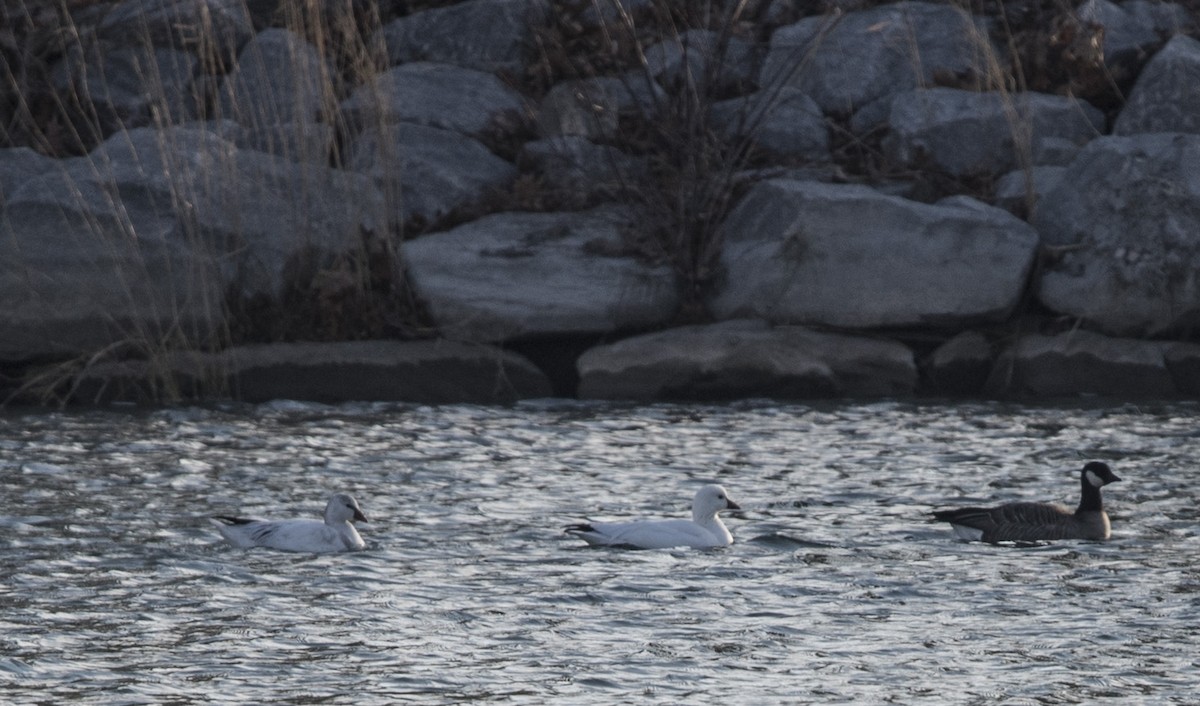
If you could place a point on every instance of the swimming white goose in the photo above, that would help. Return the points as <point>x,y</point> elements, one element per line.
<point>335,534</point>
<point>1032,522</point>
<point>704,530</point>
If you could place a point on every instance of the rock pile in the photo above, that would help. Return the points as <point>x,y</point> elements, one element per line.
<point>241,163</point>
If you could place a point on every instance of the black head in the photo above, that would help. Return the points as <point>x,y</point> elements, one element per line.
<point>1099,474</point>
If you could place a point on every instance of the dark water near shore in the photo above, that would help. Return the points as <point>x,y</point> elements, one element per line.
<point>115,589</point>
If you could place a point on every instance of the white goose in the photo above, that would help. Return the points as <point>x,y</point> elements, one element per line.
<point>703,531</point>
<point>335,534</point>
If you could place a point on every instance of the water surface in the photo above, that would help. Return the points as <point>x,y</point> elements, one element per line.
<point>116,589</point>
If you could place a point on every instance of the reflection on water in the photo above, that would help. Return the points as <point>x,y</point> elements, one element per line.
<point>116,589</point>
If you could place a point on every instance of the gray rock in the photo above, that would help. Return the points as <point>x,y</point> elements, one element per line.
<point>1019,191</point>
<point>846,61</point>
<point>426,172</point>
<point>848,256</point>
<point>128,86</point>
<point>1125,220</point>
<point>489,35</point>
<point>689,58</point>
<point>965,133</point>
<point>785,123</point>
<point>279,80</point>
<point>1135,27</point>
<point>593,107</point>
<point>19,165</point>
<point>425,372</point>
<point>1082,363</point>
<point>263,216</point>
<point>91,257</point>
<point>745,359</point>
<point>212,29</point>
<point>577,171</point>
<point>1183,360</point>
<point>521,275</point>
<point>961,365</point>
<point>1166,18</point>
<point>143,239</point>
<point>450,97</point>
<point>1165,98</point>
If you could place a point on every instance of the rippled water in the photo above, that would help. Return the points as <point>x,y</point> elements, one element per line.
<point>116,589</point>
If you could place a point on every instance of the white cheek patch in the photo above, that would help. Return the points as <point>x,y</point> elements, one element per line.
<point>1094,479</point>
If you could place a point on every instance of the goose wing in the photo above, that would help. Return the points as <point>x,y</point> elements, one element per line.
<point>289,535</point>
<point>660,534</point>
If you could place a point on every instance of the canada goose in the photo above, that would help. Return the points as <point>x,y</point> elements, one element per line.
<point>335,534</point>
<point>1030,522</point>
<point>703,531</point>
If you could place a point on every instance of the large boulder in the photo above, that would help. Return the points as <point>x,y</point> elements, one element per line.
<point>91,259</point>
<point>848,256</point>
<point>522,275</point>
<point>440,95</point>
<point>428,173</point>
<point>966,133</point>
<point>846,61</point>
<point>1165,98</point>
<point>745,358</point>
<point>1124,225</point>
<point>143,239</point>
<point>1082,363</point>
<point>488,35</point>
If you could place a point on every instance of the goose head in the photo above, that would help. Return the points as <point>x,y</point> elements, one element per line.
<point>1098,474</point>
<point>343,508</point>
<point>710,500</point>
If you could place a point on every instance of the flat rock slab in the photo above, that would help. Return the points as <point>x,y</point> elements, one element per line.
<point>1082,363</point>
<point>521,275</point>
<point>427,372</point>
<point>1125,222</point>
<point>803,252</point>
<point>745,358</point>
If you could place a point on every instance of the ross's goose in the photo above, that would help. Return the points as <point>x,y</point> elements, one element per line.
<point>704,530</point>
<point>335,534</point>
<point>1031,522</point>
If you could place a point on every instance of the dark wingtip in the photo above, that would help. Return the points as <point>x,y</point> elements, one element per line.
<point>232,520</point>
<point>579,527</point>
